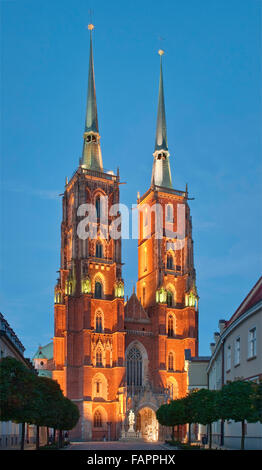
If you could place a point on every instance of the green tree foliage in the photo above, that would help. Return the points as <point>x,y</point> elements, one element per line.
<point>205,409</point>
<point>17,393</point>
<point>69,415</point>
<point>177,412</point>
<point>48,404</point>
<point>197,407</point>
<point>172,414</point>
<point>162,415</point>
<point>190,411</point>
<point>16,387</point>
<point>257,399</point>
<point>27,398</point>
<point>237,401</point>
<point>68,418</point>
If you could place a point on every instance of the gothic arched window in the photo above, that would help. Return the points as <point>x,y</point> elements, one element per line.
<point>172,388</point>
<point>99,250</point>
<point>98,207</point>
<point>99,361</point>
<point>145,258</point>
<point>134,367</point>
<point>169,299</point>
<point>170,361</point>
<point>170,326</point>
<point>169,213</point>
<point>169,262</point>
<point>146,217</point>
<point>98,290</point>
<point>144,295</point>
<point>97,419</point>
<point>99,322</point>
<point>70,288</point>
<point>98,387</point>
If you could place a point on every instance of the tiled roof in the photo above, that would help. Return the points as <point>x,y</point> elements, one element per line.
<point>6,329</point>
<point>253,297</point>
<point>44,352</point>
<point>45,373</point>
<point>134,310</point>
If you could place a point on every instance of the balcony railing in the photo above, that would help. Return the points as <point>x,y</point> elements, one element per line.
<point>106,174</point>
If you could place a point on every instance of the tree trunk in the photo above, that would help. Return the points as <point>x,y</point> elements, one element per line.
<point>23,437</point>
<point>222,433</point>
<point>173,433</point>
<point>54,435</point>
<point>60,440</point>
<point>210,435</point>
<point>189,433</point>
<point>243,435</point>
<point>37,438</point>
<point>47,436</point>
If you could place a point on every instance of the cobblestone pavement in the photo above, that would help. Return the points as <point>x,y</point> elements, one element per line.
<point>117,445</point>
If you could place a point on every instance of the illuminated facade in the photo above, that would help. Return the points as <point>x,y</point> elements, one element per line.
<point>112,356</point>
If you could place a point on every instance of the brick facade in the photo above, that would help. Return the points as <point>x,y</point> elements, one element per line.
<point>112,356</point>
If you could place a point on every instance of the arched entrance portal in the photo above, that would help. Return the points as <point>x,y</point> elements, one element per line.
<point>147,424</point>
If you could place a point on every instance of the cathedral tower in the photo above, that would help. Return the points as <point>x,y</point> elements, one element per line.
<point>116,359</point>
<point>89,339</point>
<point>166,286</point>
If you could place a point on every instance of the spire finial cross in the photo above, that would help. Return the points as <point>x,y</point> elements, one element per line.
<point>90,25</point>
<point>161,51</point>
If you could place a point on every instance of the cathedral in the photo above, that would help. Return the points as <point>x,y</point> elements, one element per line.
<point>111,355</point>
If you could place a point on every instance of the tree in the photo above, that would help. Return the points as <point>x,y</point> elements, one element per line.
<point>177,412</point>
<point>68,417</point>
<point>205,409</point>
<point>162,414</point>
<point>172,414</point>
<point>237,401</point>
<point>190,411</point>
<point>257,400</point>
<point>27,398</point>
<point>48,404</point>
<point>17,393</point>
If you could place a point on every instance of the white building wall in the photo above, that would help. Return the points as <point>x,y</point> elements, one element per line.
<point>246,368</point>
<point>253,437</point>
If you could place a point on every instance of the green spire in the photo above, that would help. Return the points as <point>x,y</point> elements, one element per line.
<point>91,155</point>
<point>161,136</point>
<point>161,174</point>
<point>91,108</point>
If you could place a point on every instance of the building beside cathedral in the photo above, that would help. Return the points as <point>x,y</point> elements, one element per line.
<point>11,346</point>
<point>111,357</point>
<point>236,355</point>
<point>43,360</point>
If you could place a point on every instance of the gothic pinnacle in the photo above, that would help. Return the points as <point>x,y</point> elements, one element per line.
<point>91,155</point>
<point>161,174</point>
<point>161,134</point>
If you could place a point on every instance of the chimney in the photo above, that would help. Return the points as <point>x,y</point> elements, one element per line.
<point>221,325</point>
<point>216,337</point>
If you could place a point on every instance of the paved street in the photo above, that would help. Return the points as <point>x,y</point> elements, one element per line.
<point>117,445</point>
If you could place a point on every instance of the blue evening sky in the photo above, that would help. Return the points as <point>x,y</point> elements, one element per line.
<point>212,81</point>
